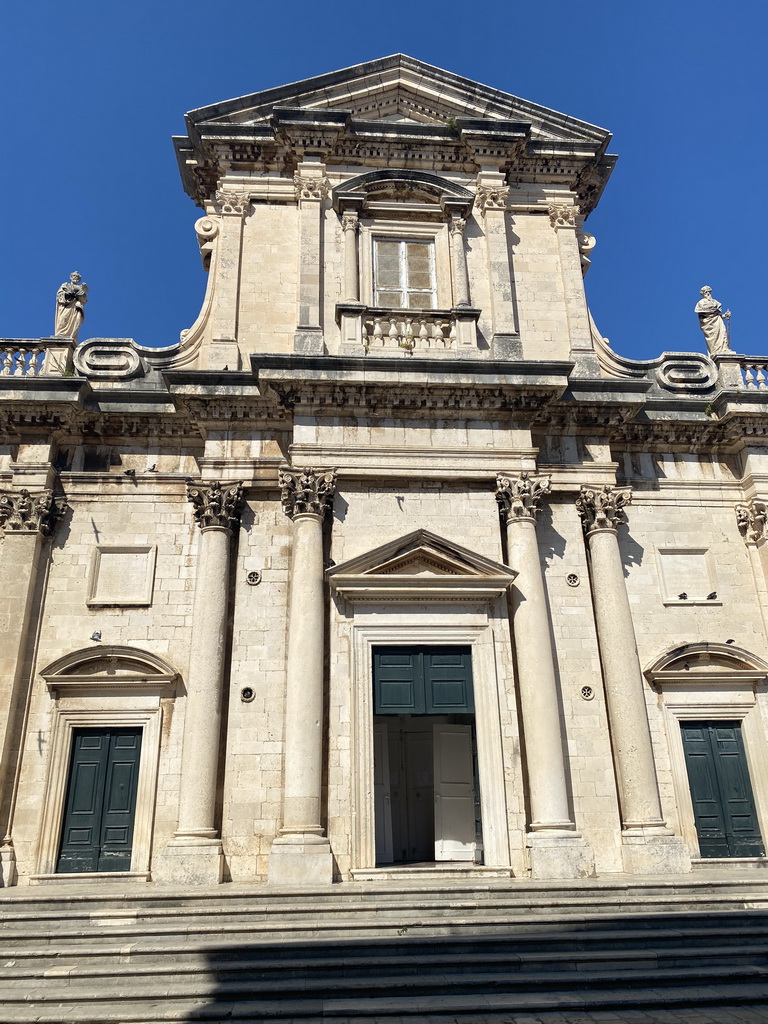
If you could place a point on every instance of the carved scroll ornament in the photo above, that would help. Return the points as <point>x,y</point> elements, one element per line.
<point>603,509</point>
<point>520,497</point>
<point>306,491</point>
<point>752,517</point>
<point>214,505</point>
<point>27,513</point>
<point>233,202</point>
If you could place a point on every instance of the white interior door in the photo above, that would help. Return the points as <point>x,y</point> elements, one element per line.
<point>381,795</point>
<point>454,793</point>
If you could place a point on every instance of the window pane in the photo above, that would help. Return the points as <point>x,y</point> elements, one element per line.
<point>391,300</point>
<point>421,300</point>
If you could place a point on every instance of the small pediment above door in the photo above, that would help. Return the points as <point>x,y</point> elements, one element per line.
<point>420,566</point>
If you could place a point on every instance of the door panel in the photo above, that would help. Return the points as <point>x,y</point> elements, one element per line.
<point>381,795</point>
<point>97,833</point>
<point>454,793</point>
<point>422,680</point>
<point>721,791</point>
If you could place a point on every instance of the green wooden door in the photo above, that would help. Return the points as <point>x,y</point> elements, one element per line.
<point>721,791</point>
<point>422,680</point>
<point>97,834</point>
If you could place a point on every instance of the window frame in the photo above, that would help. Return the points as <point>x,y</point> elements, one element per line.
<point>404,288</point>
<point>437,233</point>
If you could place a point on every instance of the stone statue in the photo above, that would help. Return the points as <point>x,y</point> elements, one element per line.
<point>713,322</point>
<point>70,307</point>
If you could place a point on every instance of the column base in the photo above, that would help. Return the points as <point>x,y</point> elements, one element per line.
<point>300,860</point>
<point>654,851</point>
<point>8,873</point>
<point>560,856</point>
<point>190,862</point>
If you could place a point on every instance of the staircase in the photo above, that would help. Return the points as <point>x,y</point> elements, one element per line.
<point>405,950</point>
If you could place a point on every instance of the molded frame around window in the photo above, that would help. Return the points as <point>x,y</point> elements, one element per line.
<point>371,229</point>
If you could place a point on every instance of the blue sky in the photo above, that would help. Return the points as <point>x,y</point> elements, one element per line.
<point>94,92</point>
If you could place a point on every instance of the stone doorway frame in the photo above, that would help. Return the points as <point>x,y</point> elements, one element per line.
<point>129,697</point>
<point>712,682</point>
<point>400,631</point>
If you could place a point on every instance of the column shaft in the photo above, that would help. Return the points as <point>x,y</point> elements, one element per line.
<point>624,688</point>
<point>202,721</point>
<point>351,276</point>
<point>304,697</point>
<point>538,687</point>
<point>460,272</point>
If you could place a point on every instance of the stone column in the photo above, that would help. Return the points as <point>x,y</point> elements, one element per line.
<point>459,258</point>
<point>564,218</point>
<point>194,855</point>
<point>649,847</point>
<point>27,519</point>
<point>491,200</point>
<point>556,848</point>
<point>225,317</point>
<point>311,190</point>
<point>350,224</point>
<point>301,852</point>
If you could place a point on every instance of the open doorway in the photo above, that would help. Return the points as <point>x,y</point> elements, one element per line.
<point>426,792</point>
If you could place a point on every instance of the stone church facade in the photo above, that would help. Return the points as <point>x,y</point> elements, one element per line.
<point>391,565</point>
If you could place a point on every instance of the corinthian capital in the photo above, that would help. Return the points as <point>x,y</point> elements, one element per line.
<point>520,497</point>
<point>603,509</point>
<point>306,490</point>
<point>233,202</point>
<point>752,517</point>
<point>307,188</point>
<point>562,216</point>
<point>214,505</point>
<point>27,513</point>
<point>491,197</point>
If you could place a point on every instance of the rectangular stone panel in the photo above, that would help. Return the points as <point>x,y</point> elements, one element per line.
<point>122,575</point>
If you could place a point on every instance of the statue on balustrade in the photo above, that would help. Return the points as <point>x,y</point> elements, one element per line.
<point>70,307</point>
<point>713,322</point>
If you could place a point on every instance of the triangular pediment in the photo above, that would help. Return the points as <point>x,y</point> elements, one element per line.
<point>421,564</point>
<point>402,89</point>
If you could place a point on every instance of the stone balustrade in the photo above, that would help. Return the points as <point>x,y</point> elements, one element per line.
<point>40,357</point>
<point>754,373</point>
<point>384,331</point>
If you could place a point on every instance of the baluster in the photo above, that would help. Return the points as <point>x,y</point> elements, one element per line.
<point>366,339</point>
<point>378,333</point>
<point>3,361</point>
<point>452,332</point>
<point>8,355</point>
<point>762,376</point>
<point>437,331</point>
<point>423,334</point>
<point>406,340</point>
<point>22,363</point>
<point>394,332</point>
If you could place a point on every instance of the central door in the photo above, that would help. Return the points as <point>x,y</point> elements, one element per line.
<point>425,775</point>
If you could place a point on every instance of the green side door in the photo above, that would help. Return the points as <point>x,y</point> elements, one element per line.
<point>721,791</point>
<point>97,834</point>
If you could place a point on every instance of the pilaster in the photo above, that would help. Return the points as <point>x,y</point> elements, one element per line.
<point>233,206</point>
<point>648,846</point>
<point>27,520</point>
<point>556,849</point>
<point>194,856</point>
<point>312,188</point>
<point>752,520</point>
<point>565,221</point>
<point>301,852</point>
<point>491,201</point>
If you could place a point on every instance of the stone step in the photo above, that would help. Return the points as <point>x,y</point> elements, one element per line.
<point>372,986</point>
<point>456,1008</point>
<point>257,911</point>
<point>591,938</point>
<point>347,963</point>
